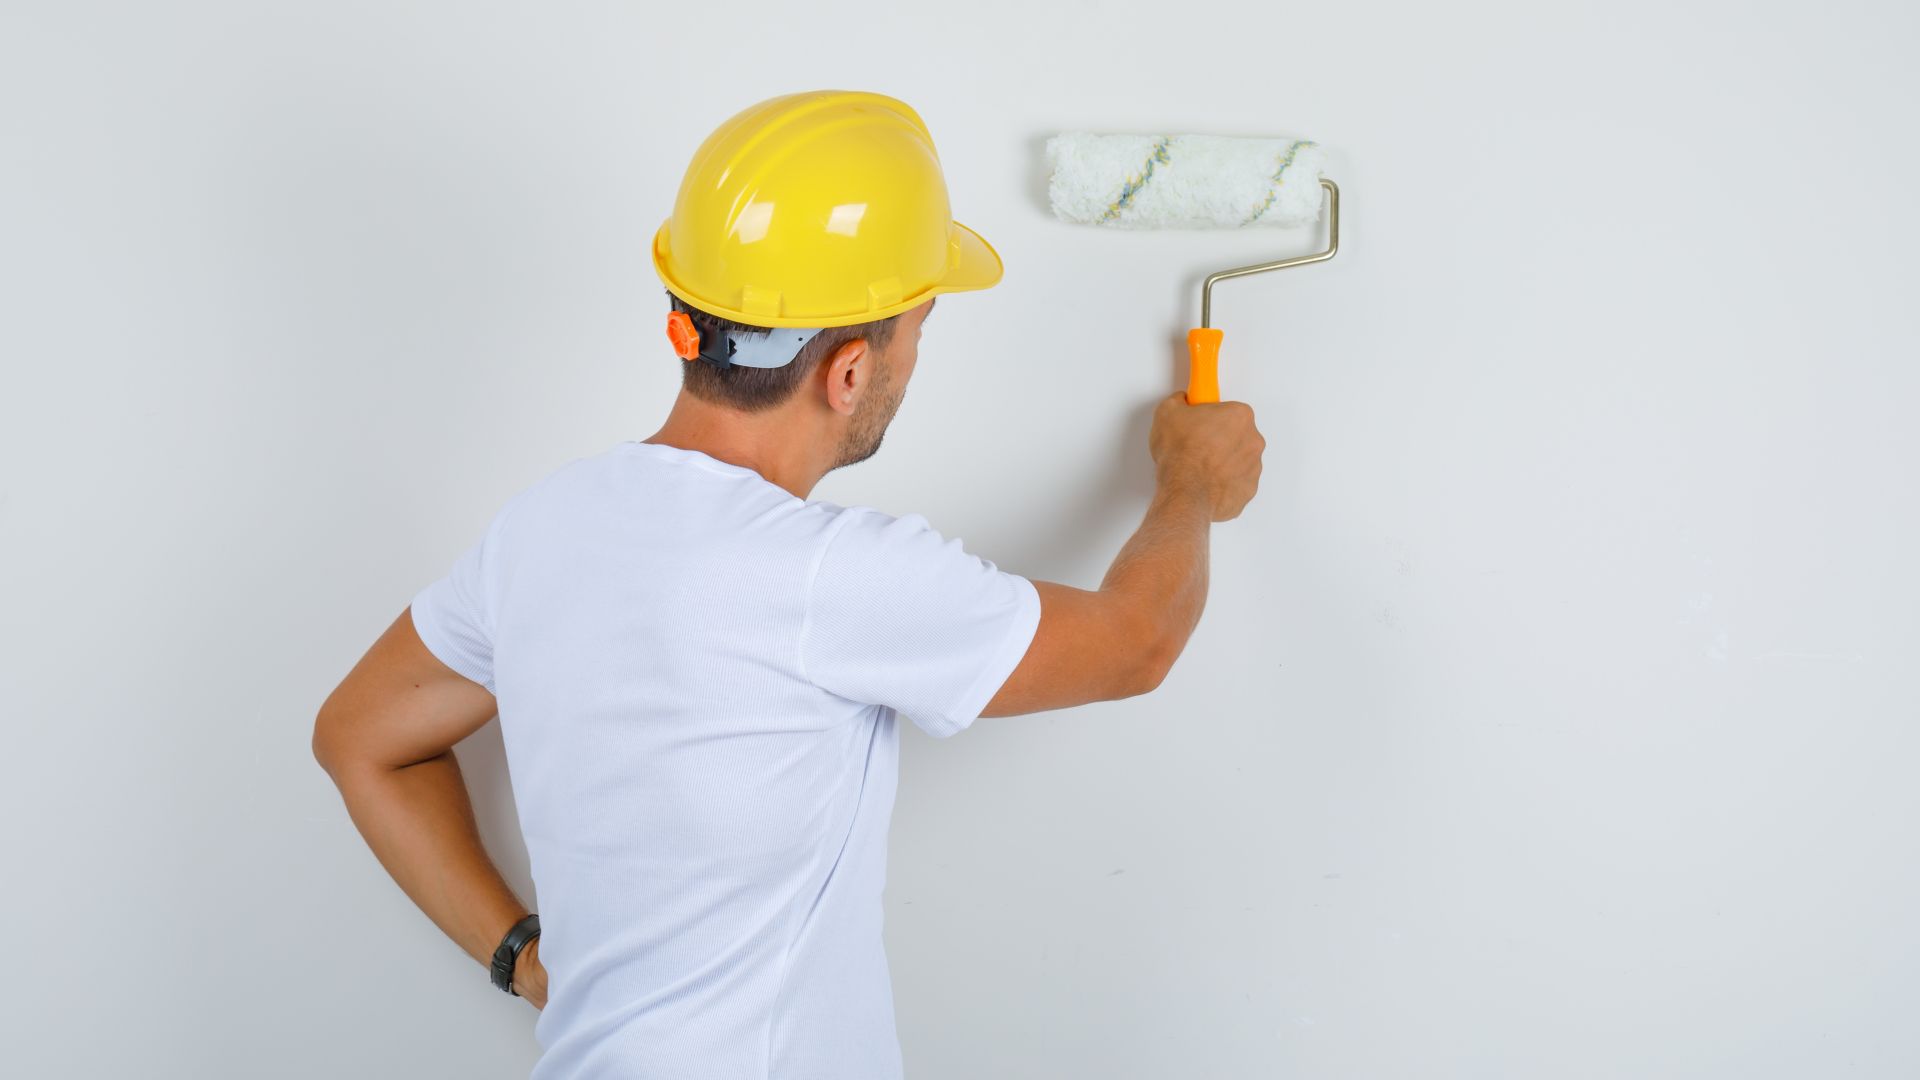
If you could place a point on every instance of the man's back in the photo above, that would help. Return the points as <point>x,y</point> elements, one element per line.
<point>698,672</point>
<point>698,675</point>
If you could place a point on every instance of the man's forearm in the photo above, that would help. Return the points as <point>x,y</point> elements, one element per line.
<point>419,822</point>
<point>1162,568</point>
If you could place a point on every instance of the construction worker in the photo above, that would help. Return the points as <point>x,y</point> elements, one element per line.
<point>698,669</point>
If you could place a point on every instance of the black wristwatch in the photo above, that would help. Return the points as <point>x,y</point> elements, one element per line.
<point>509,951</point>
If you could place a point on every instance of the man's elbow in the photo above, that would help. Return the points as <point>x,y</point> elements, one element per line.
<point>332,746</point>
<point>1155,654</point>
<point>324,749</point>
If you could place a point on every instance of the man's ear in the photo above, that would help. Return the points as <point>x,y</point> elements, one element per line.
<point>847,373</point>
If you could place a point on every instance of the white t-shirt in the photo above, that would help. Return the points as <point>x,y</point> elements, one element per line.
<point>698,676</point>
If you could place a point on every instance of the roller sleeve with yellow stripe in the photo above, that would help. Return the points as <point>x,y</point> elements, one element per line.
<point>1194,182</point>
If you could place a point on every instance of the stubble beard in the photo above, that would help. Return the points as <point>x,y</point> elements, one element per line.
<point>870,420</point>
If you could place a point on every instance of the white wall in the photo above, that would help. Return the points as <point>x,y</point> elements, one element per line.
<point>1553,713</point>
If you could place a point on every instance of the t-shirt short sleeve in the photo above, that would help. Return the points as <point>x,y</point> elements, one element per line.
<point>453,614</point>
<point>900,616</point>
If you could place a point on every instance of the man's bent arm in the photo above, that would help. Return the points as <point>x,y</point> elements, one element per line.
<point>386,737</point>
<point>1121,639</point>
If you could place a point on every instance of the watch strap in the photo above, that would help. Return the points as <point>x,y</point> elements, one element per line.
<point>509,951</point>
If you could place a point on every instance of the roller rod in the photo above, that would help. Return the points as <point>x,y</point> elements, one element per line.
<point>1333,245</point>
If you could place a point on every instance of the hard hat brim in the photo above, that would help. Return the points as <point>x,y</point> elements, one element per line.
<point>972,264</point>
<point>977,265</point>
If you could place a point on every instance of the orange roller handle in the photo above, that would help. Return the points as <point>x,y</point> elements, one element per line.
<point>1203,365</point>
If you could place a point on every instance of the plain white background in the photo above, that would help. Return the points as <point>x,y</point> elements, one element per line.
<point>1553,713</point>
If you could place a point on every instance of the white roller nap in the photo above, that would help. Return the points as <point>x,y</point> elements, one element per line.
<point>1184,181</point>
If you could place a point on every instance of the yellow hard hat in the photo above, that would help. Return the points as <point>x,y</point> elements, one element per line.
<point>819,209</point>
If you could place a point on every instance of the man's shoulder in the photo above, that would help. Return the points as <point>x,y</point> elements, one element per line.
<point>870,522</point>
<point>583,483</point>
<point>871,538</point>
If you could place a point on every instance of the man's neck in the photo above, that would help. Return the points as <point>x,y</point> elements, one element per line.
<point>774,443</point>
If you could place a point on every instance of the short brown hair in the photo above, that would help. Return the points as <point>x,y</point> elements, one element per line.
<point>752,389</point>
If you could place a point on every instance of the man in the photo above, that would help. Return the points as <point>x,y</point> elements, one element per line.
<point>698,670</point>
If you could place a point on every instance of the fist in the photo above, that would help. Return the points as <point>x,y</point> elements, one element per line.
<point>1214,447</point>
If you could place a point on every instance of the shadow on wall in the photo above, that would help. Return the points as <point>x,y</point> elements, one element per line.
<point>483,765</point>
<point>1073,534</point>
<point>1038,175</point>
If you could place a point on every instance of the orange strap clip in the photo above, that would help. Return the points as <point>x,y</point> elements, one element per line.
<point>684,335</point>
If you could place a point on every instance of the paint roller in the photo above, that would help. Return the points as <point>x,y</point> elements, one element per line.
<point>1195,182</point>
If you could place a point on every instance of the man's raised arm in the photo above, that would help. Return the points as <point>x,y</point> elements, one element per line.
<point>1122,638</point>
